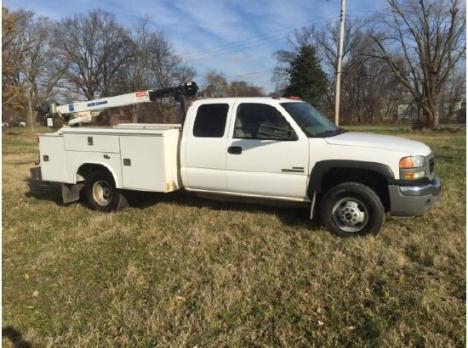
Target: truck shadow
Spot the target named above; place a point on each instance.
(15, 337)
(293, 215)
(44, 191)
(290, 215)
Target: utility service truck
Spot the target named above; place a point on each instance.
(274, 149)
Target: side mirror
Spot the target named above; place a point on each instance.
(268, 130)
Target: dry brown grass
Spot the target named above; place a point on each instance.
(176, 270)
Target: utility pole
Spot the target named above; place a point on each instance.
(338, 66)
(30, 117)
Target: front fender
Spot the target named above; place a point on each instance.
(320, 169)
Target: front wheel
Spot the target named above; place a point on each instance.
(351, 209)
(101, 194)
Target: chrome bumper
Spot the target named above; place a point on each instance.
(413, 200)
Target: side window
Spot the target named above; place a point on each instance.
(210, 120)
(261, 121)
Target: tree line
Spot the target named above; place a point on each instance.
(409, 58)
(406, 60)
(81, 57)
(88, 56)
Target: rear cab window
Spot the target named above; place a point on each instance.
(210, 121)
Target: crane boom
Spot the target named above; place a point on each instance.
(105, 103)
(84, 111)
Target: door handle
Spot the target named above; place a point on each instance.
(235, 150)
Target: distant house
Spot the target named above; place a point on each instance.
(118, 116)
(114, 121)
(448, 111)
(407, 112)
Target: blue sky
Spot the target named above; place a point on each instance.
(237, 38)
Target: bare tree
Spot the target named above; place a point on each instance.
(244, 89)
(453, 96)
(362, 95)
(14, 49)
(95, 47)
(41, 68)
(371, 92)
(354, 44)
(87, 56)
(30, 66)
(215, 86)
(430, 36)
(153, 64)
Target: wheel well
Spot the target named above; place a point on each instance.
(374, 180)
(91, 168)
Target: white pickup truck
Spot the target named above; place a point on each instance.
(263, 148)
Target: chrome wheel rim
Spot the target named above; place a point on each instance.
(102, 193)
(350, 214)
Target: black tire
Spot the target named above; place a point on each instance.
(352, 209)
(101, 194)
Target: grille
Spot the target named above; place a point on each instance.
(431, 165)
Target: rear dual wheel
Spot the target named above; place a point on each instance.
(101, 194)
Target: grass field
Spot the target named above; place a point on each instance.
(175, 270)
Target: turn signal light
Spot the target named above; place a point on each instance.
(412, 175)
(411, 162)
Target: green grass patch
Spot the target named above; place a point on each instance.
(176, 270)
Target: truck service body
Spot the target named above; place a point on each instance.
(263, 148)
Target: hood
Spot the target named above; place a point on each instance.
(377, 141)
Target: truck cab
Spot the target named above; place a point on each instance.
(244, 146)
(277, 149)
(284, 149)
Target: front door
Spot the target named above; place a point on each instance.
(265, 155)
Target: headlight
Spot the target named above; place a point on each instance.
(412, 167)
(412, 162)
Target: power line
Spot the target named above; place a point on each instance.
(225, 51)
(249, 74)
(242, 45)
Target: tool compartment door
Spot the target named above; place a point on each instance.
(52, 158)
(92, 142)
(143, 163)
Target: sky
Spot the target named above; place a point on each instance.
(236, 38)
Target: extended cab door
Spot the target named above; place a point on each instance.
(204, 146)
(267, 154)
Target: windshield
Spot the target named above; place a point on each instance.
(311, 121)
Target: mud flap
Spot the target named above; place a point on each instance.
(312, 206)
(122, 202)
(71, 192)
(36, 173)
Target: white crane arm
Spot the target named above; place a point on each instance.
(84, 111)
(105, 103)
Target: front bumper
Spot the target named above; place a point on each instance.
(413, 200)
